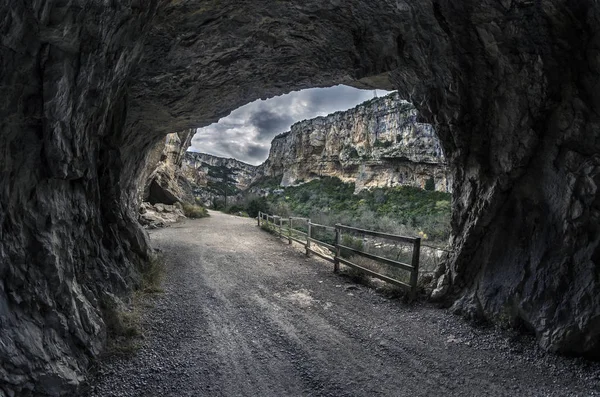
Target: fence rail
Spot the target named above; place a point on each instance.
(292, 233)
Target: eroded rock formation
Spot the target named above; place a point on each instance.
(214, 178)
(377, 144)
(160, 215)
(202, 168)
(69, 238)
(511, 86)
(166, 182)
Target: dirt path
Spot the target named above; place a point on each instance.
(244, 314)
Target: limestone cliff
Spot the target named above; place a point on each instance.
(377, 144)
(213, 177)
(90, 87)
(202, 168)
(166, 183)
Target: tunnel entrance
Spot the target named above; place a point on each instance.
(485, 76)
(511, 90)
(399, 183)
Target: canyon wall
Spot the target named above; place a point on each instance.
(512, 89)
(202, 167)
(164, 180)
(70, 243)
(213, 177)
(379, 143)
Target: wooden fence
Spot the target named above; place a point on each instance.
(290, 229)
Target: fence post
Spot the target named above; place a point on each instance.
(280, 226)
(259, 216)
(290, 230)
(308, 236)
(414, 275)
(336, 262)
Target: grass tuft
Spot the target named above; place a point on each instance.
(153, 275)
(124, 322)
(194, 211)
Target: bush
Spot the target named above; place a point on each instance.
(218, 204)
(401, 210)
(351, 242)
(382, 144)
(353, 153)
(234, 209)
(153, 274)
(256, 205)
(280, 208)
(430, 185)
(194, 211)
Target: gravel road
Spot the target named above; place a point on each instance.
(245, 314)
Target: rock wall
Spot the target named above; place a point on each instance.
(165, 182)
(212, 177)
(377, 144)
(89, 88)
(69, 239)
(198, 167)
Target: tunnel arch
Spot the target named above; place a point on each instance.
(485, 74)
(511, 87)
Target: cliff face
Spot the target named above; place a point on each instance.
(212, 178)
(377, 144)
(202, 168)
(70, 242)
(166, 182)
(90, 87)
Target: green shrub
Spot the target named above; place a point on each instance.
(268, 227)
(256, 205)
(382, 144)
(152, 275)
(352, 242)
(280, 208)
(234, 209)
(430, 185)
(400, 210)
(123, 325)
(353, 153)
(194, 211)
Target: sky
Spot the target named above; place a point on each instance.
(247, 132)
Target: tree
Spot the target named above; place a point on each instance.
(430, 185)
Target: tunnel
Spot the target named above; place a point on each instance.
(511, 86)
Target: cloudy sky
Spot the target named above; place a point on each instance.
(247, 132)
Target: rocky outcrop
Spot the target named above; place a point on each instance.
(69, 236)
(202, 168)
(166, 182)
(377, 144)
(213, 178)
(89, 88)
(160, 215)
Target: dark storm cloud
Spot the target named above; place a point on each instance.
(258, 151)
(247, 132)
(269, 123)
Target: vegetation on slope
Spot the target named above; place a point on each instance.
(402, 210)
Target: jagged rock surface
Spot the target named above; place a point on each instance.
(69, 237)
(511, 87)
(160, 215)
(377, 144)
(167, 183)
(211, 177)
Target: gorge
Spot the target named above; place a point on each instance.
(511, 87)
(376, 144)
